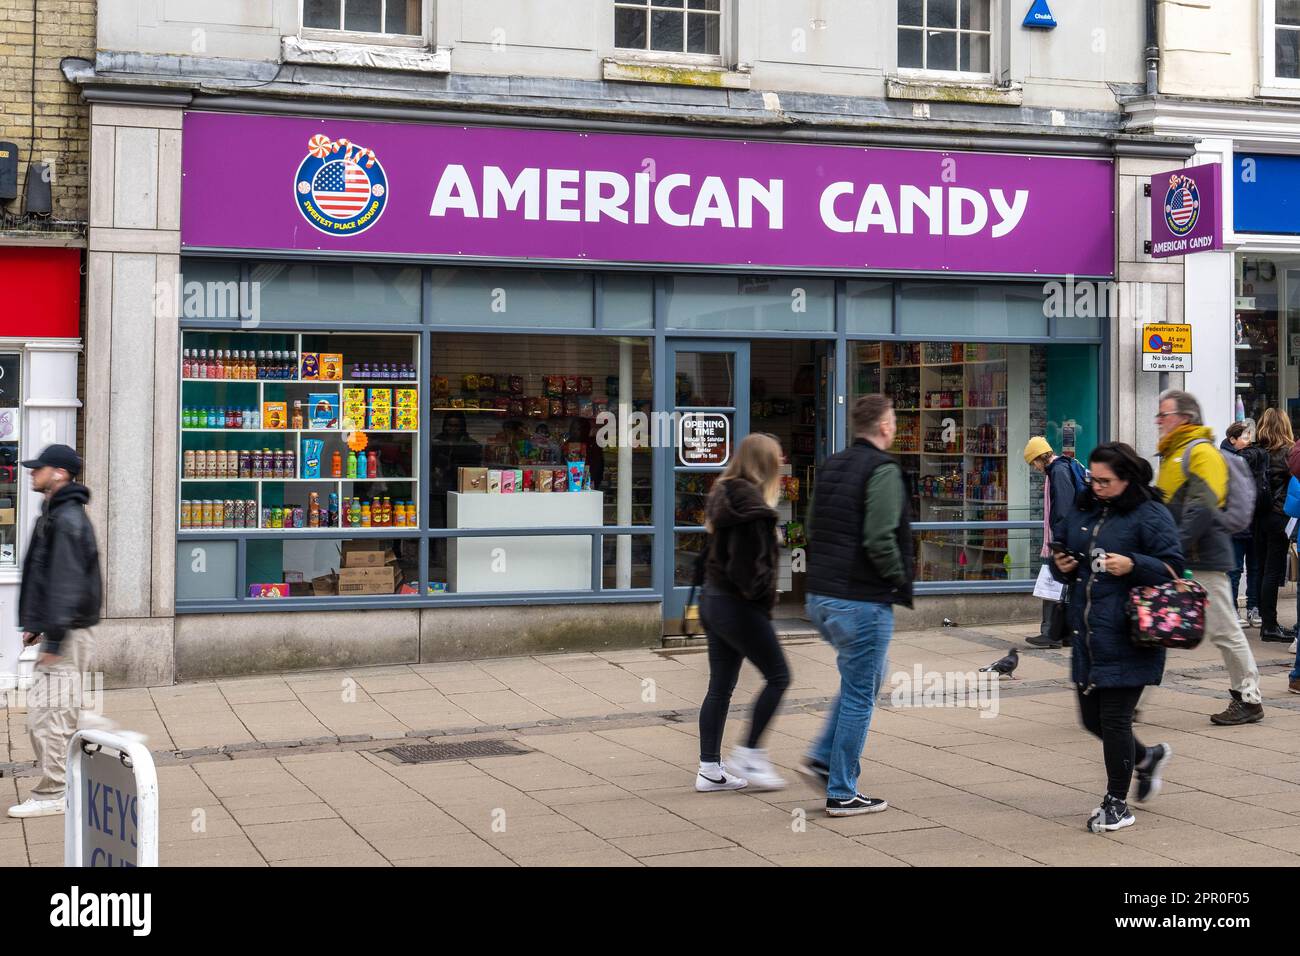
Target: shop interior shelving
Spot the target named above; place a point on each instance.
(397, 449)
(954, 436)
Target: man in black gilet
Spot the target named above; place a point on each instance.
(859, 566)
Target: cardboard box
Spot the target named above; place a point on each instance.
(368, 580)
(323, 410)
(405, 398)
(325, 585)
(472, 480)
(8, 515)
(310, 368)
(381, 419)
(368, 559)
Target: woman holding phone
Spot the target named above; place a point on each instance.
(1119, 537)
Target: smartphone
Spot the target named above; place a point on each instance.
(1059, 547)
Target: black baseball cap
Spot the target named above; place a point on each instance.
(57, 456)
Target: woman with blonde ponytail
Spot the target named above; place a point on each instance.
(736, 610)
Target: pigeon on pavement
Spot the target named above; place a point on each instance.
(1005, 666)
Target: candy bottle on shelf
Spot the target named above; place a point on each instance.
(336, 466)
(261, 363)
(292, 368)
(362, 461)
(297, 415)
(332, 516)
(352, 464)
(355, 370)
(372, 464)
(365, 516)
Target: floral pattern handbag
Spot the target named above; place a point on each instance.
(1170, 615)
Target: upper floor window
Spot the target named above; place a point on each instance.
(1286, 39)
(393, 17)
(669, 26)
(949, 36)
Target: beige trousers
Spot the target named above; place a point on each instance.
(54, 704)
(1225, 633)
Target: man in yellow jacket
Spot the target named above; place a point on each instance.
(1194, 479)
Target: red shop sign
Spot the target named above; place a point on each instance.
(40, 292)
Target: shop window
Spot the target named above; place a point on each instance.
(947, 36)
(750, 303)
(207, 570)
(538, 431)
(323, 293)
(628, 301)
(965, 411)
(328, 567)
(970, 311)
(390, 17)
(1267, 336)
(11, 479)
(668, 26)
(513, 297)
(870, 306)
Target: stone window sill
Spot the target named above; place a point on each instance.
(295, 49)
(674, 74)
(936, 90)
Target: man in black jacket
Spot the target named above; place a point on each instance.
(859, 566)
(58, 602)
(1059, 493)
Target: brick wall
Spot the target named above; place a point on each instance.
(62, 127)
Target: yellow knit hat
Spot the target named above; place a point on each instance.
(1037, 447)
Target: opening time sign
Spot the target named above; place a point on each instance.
(704, 438)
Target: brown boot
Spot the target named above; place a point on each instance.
(1238, 712)
(1294, 686)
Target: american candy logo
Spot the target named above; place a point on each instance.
(341, 187)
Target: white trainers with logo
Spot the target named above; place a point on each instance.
(31, 807)
(714, 776)
(756, 768)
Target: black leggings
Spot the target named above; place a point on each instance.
(1272, 545)
(1107, 712)
(738, 629)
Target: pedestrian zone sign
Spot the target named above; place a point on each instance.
(1166, 348)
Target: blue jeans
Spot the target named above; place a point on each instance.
(860, 632)
(1243, 553)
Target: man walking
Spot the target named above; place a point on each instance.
(1059, 491)
(859, 567)
(1195, 482)
(58, 602)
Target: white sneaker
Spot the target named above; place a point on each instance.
(1292, 647)
(1254, 618)
(31, 807)
(1242, 621)
(714, 776)
(757, 768)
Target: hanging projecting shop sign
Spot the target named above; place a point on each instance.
(1186, 214)
(405, 189)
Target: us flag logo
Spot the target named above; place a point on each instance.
(1182, 205)
(340, 186)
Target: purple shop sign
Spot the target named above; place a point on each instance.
(1186, 214)
(437, 191)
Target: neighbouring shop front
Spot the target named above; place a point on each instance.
(40, 307)
(1266, 284)
(443, 366)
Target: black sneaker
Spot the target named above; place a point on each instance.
(1042, 640)
(1149, 780)
(816, 771)
(1113, 814)
(851, 808)
(1274, 635)
(1238, 712)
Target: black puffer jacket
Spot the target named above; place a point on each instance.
(1139, 527)
(1279, 479)
(61, 586)
(743, 553)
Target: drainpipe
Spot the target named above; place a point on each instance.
(1152, 52)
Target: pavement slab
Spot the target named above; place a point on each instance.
(288, 770)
